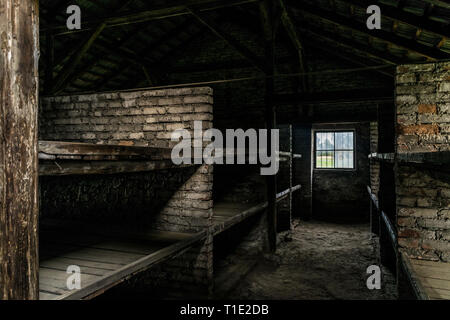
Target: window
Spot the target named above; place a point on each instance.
(334, 150)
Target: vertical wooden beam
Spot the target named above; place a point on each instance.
(267, 8)
(291, 176)
(19, 45)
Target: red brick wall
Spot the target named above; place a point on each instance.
(423, 194)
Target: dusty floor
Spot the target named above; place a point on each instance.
(323, 261)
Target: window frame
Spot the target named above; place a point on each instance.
(314, 136)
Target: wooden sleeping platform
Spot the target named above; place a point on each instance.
(228, 214)
(105, 259)
(430, 279)
(75, 158)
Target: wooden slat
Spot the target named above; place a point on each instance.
(107, 264)
(57, 264)
(430, 279)
(65, 262)
(134, 267)
(47, 296)
(64, 168)
(60, 148)
(92, 254)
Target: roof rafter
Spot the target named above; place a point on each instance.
(293, 34)
(407, 44)
(340, 41)
(413, 20)
(231, 41)
(173, 9)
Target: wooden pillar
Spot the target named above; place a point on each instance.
(19, 45)
(267, 14)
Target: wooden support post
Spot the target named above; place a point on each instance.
(291, 177)
(19, 32)
(267, 14)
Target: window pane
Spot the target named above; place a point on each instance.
(344, 159)
(324, 141)
(320, 141)
(326, 145)
(324, 159)
(344, 140)
(330, 141)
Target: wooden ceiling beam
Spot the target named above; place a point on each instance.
(173, 9)
(346, 56)
(353, 45)
(292, 32)
(429, 53)
(410, 19)
(230, 40)
(439, 3)
(74, 60)
(155, 66)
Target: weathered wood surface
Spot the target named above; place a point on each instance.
(226, 215)
(87, 151)
(64, 168)
(19, 44)
(430, 279)
(105, 260)
(433, 158)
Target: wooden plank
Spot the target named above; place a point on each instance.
(430, 263)
(48, 288)
(92, 254)
(60, 276)
(439, 294)
(19, 29)
(434, 283)
(88, 149)
(113, 231)
(418, 288)
(47, 296)
(432, 272)
(60, 263)
(65, 168)
(59, 282)
(134, 267)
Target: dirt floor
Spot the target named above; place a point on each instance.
(322, 261)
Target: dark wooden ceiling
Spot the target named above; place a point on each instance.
(123, 44)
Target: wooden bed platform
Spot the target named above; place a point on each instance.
(228, 214)
(76, 158)
(104, 260)
(429, 279)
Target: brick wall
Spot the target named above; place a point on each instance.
(179, 199)
(423, 194)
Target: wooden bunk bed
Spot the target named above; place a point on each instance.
(228, 214)
(105, 258)
(109, 257)
(75, 158)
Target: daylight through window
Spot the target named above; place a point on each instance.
(334, 150)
